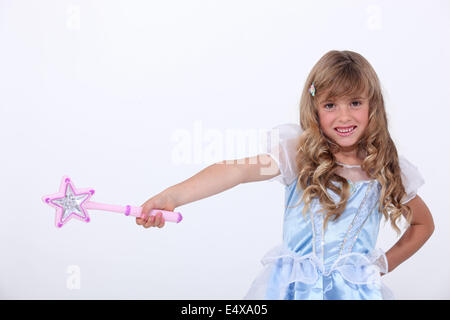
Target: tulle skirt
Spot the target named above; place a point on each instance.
(289, 276)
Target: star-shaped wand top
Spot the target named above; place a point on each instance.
(69, 202)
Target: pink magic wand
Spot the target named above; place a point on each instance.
(71, 202)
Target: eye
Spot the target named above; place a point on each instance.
(356, 103)
(328, 106)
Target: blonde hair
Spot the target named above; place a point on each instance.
(342, 73)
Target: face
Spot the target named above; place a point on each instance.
(344, 119)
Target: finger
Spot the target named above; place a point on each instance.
(158, 218)
(145, 217)
(141, 220)
(163, 222)
(150, 222)
(144, 213)
(147, 212)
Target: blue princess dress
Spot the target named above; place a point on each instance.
(339, 262)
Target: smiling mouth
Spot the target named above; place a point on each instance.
(345, 131)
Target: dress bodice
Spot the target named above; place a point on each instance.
(356, 230)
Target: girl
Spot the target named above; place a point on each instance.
(341, 173)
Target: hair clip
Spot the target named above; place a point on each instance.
(312, 89)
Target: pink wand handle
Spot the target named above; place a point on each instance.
(133, 211)
(167, 215)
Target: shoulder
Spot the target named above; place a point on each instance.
(411, 177)
(405, 164)
(408, 169)
(288, 129)
(284, 134)
(281, 144)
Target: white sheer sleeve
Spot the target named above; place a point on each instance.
(281, 144)
(411, 178)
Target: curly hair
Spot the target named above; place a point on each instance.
(338, 74)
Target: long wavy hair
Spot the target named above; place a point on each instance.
(338, 74)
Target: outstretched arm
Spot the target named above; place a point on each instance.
(213, 179)
(221, 176)
(420, 229)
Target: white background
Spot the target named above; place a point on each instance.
(96, 90)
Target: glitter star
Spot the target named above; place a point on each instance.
(69, 202)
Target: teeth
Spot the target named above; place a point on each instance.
(346, 130)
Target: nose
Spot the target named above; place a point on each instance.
(344, 114)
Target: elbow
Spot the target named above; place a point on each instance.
(431, 228)
(431, 224)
